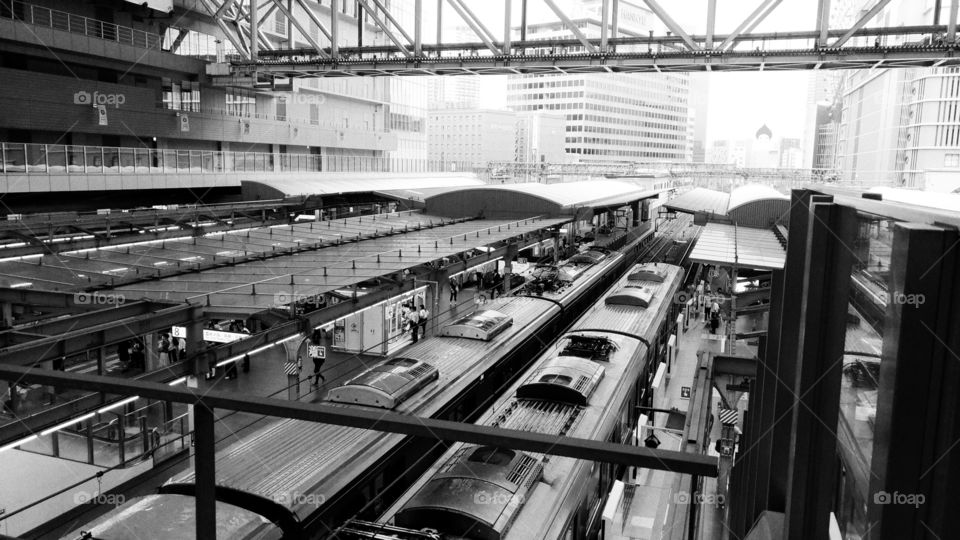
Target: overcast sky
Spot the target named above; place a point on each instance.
(739, 102)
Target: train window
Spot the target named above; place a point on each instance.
(492, 455)
(556, 379)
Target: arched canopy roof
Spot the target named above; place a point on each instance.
(562, 199)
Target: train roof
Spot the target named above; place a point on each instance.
(173, 516)
(574, 389)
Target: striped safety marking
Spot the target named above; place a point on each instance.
(728, 417)
(291, 369)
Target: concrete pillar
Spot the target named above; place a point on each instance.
(635, 209)
(296, 350)
(150, 353)
(7, 310)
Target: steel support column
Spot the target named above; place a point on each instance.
(823, 22)
(254, 29)
(335, 31)
(604, 9)
(952, 23)
(205, 476)
(711, 22)
(507, 14)
(918, 399)
(812, 465)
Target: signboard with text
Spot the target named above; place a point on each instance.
(219, 336)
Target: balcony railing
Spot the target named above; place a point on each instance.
(77, 24)
(39, 159)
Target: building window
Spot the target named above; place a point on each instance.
(181, 95)
(280, 23)
(281, 108)
(951, 160)
(241, 102)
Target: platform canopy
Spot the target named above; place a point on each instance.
(553, 200)
(700, 200)
(746, 247)
(752, 205)
(340, 183)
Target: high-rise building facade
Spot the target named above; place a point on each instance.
(476, 136)
(539, 138)
(900, 126)
(610, 117)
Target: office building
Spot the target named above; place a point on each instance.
(610, 117)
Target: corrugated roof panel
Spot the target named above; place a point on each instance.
(744, 246)
(752, 193)
(700, 200)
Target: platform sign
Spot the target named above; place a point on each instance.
(317, 351)
(218, 336)
(178, 331)
(685, 392)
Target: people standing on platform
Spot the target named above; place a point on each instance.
(174, 349)
(137, 358)
(163, 348)
(715, 308)
(454, 289)
(423, 315)
(414, 318)
(123, 354)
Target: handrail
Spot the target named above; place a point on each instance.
(33, 158)
(77, 24)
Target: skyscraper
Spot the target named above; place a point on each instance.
(610, 117)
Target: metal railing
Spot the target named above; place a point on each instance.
(27, 158)
(77, 24)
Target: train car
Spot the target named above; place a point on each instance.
(308, 478)
(589, 384)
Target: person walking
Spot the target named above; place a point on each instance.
(414, 319)
(317, 339)
(137, 359)
(174, 350)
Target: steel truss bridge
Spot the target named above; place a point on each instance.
(615, 50)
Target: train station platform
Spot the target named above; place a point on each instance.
(654, 504)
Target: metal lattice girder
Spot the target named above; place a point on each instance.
(751, 21)
(861, 22)
(389, 422)
(671, 24)
(916, 50)
(476, 25)
(587, 44)
(385, 27)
